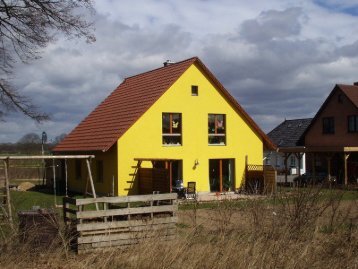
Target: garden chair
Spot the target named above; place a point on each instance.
(191, 190)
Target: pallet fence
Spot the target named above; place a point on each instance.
(120, 221)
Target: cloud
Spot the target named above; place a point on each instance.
(279, 59)
(272, 24)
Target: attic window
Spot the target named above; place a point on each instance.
(194, 90)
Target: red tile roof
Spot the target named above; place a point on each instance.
(101, 129)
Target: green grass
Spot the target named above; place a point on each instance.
(26, 200)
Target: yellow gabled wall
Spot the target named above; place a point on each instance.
(144, 138)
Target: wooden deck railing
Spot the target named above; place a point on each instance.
(120, 220)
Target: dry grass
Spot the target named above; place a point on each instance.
(303, 230)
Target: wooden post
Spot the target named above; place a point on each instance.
(313, 166)
(299, 157)
(221, 174)
(246, 171)
(91, 181)
(345, 159)
(54, 180)
(329, 167)
(170, 176)
(286, 168)
(7, 187)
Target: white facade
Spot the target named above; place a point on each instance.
(277, 160)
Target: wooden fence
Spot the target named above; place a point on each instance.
(260, 179)
(120, 221)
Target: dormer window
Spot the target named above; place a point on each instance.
(194, 90)
(171, 129)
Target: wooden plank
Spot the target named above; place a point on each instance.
(69, 200)
(70, 210)
(128, 229)
(120, 224)
(125, 211)
(139, 233)
(47, 157)
(126, 199)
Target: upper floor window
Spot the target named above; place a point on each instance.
(217, 129)
(353, 124)
(328, 125)
(171, 129)
(194, 90)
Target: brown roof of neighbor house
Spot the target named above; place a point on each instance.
(351, 91)
(101, 129)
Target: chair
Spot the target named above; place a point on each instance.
(191, 190)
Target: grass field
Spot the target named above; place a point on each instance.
(297, 228)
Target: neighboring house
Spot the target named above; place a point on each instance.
(331, 140)
(175, 123)
(289, 155)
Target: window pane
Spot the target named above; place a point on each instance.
(211, 124)
(176, 123)
(171, 140)
(166, 123)
(328, 125)
(220, 124)
(351, 124)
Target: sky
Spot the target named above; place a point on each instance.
(280, 58)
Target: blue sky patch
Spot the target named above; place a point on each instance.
(338, 7)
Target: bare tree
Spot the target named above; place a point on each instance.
(27, 26)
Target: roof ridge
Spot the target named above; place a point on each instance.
(193, 59)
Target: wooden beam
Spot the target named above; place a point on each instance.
(329, 167)
(345, 159)
(314, 165)
(91, 181)
(221, 174)
(286, 167)
(170, 176)
(299, 157)
(47, 157)
(7, 186)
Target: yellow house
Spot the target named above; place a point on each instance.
(173, 124)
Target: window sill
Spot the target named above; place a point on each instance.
(220, 145)
(171, 145)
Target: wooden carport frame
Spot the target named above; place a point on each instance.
(329, 151)
(6, 161)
